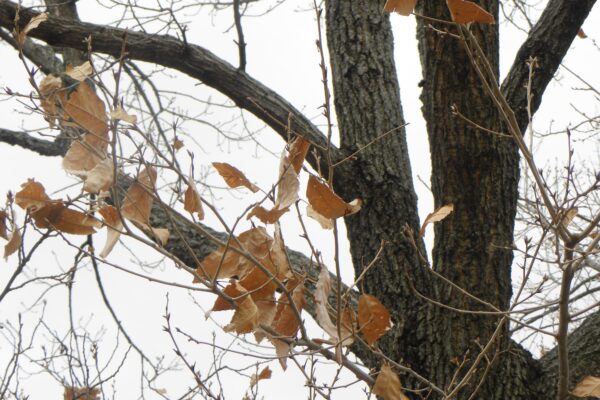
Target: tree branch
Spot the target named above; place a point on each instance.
(44, 57)
(22, 139)
(548, 42)
(193, 60)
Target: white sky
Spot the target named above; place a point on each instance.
(282, 55)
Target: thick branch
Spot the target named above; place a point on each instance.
(44, 57)
(548, 42)
(22, 139)
(195, 61)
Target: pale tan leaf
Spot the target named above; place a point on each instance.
(52, 93)
(387, 385)
(139, 197)
(114, 227)
(161, 234)
(288, 184)
(587, 387)
(326, 223)
(464, 11)
(568, 216)
(325, 202)
(436, 216)
(32, 196)
(119, 113)
(322, 290)
(84, 155)
(31, 25)
(81, 72)
(100, 178)
(373, 318)
(264, 374)
(402, 7)
(192, 202)
(266, 216)
(233, 176)
(266, 313)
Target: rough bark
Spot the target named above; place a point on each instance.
(367, 104)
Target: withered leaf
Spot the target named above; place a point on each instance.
(266, 216)
(100, 178)
(31, 25)
(15, 240)
(464, 11)
(75, 393)
(326, 223)
(53, 94)
(581, 34)
(114, 226)
(84, 109)
(3, 232)
(120, 114)
(139, 197)
(245, 318)
(387, 385)
(588, 387)
(85, 154)
(297, 153)
(264, 374)
(323, 288)
(568, 216)
(373, 318)
(192, 202)
(81, 72)
(436, 216)
(402, 7)
(328, 204)
(285, 321)
(63, 219)
(233, 176)
(32, 196)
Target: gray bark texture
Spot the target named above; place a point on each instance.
(476, 171)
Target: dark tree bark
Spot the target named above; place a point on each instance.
(475, 170)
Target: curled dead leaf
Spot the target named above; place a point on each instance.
(264, 374)
(328, 204)
(245, 318)
(139, 197)
(120, 114)
(114, 227)
(3, 232)
(436, 216)
(76, 393)
(81, 72)
(31, 25)
(100, 178)
(322, 290)
(587, 387)
(192, 201)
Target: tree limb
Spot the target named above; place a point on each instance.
(22, 139)
(548, 42)
(193, 60)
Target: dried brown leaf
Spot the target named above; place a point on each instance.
(245, 318)
(326, 223)
(192, 201)
(139, 197)
(402, 7)
(84, 109)
(14, 242)
(3, 232)
(436, 216)
(373, 318)
(464, 12)
(587, 387)
(57, 216)
(322, 290)
(114, 226)
(264, 374)
(53, 94)
(266, 216)
(297, 153)
(325, 202)
(32, 196)
(75, 393)
(387, 385)
(233, 176)
(100, 178)
(581, 34)
(31, 25)
(85, 154)
(119, 113)
(568, 216)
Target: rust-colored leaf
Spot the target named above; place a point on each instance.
(264, 374)
(223, 263)
(100, 178)
(436, 216)
(81, 72)
(297, 153)
(31, 25)
(57, 216)
(114, 226)
(266, 313)
(3, 232)
(587, 387)
(266, 216)
(84, 109)
(402, 7)
(373, 318)
(192, 202)
(32, 196)
(75, 393)
(568, 216)
(464, 11)
(245, 318)
(233, 176)
(387, 385)
(325, 202)
(581, 34)
(139, 197)
(177, 143)
(285, 321)
(326, 223)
